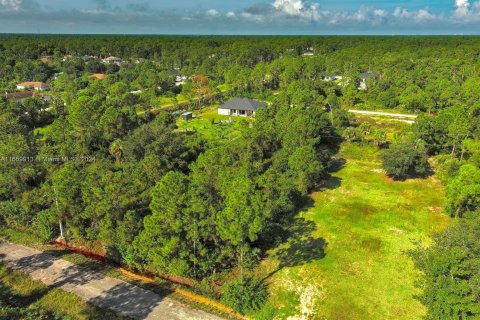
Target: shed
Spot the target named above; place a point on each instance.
(187, 116)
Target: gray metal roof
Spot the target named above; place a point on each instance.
(243, 104)
(366, 75)
(173, 72)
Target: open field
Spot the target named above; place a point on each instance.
(346, 256)
(213, 127)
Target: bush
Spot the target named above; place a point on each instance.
(252, 295)
(205, 288)
(404, 159)
(13, 215)
(44, 225)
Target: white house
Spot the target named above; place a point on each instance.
(112, 59)
(243, 107)
(179, 79)
(363, 83)
(331, 77)
(308, 53)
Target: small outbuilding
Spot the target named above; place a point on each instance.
(179, 79)
(187, 116)
(243, 107)
(112, 59)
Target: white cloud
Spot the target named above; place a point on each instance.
(380, 13)
(424, 14)
(291, 7)
(462, 7)
(311, 12)
(290, 15)
(213, 13)
(12, 5)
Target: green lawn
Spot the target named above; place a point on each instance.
(20, 291)
(345, 258)
(213, 127)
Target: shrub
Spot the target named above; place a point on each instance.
(252, 295)
(44, 225)
(405, 158)
(13, 215)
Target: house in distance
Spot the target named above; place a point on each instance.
(39, 86)
(363, 83)
(179, 79)
(243, 107)
(19, 97)
(112, 59)
(99, 76)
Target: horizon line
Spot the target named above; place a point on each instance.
(246, 35)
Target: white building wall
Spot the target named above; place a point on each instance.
(223, 112)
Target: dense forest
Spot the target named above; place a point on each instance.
(102, 164)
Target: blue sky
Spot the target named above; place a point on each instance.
(241, 16)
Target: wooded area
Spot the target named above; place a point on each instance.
(103, 162)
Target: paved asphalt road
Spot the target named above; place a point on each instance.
(96, 288)
(385, 114)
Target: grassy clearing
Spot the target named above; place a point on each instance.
(21, 291)
(213, 127)
(346, 258)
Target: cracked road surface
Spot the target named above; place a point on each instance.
(102, 291)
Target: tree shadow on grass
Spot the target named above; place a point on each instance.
(413, 175)
(18, 300)
(293, 235)
(299, 247)
(336, 164)
(330, 182)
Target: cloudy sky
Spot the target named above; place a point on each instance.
(241, 16)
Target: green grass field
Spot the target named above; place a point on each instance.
(213, 127)
(346, 256)
(20, 291)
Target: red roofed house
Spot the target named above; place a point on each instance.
(45, 59)
(99, 76)
(19, 96)
(39, 86)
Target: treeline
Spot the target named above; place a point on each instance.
(451, 265)
(418, 74)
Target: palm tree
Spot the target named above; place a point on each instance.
(380, 138)
(116, 150)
